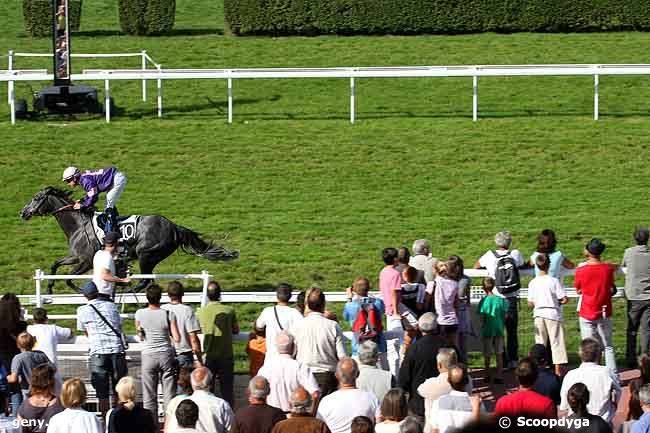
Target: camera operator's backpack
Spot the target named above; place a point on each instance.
(506, 275)
(367, 325)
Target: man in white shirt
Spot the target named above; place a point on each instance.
(319, 342)
(422, 260)
(47, 336)
(434, 388)
(278, 318)
(215, 414)
(187, 415)
(104, 267)
(453, 411)
(372, 378)
(338, 409)
(604, 387)
(285, 374)
(488, 261)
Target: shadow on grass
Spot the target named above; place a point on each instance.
(171, 111)
(360, 116)
(261, 287)
(172, 33)
(98, 33)
(195, 32)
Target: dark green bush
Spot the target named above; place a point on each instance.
(38, 16)
(346, 17)
(147, 17)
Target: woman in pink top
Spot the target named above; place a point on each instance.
(445, 296)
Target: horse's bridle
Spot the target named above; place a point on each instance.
(62, 208)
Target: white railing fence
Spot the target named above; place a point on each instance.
(350, 73)
(145, 62)
(122, 297)
(126, 297)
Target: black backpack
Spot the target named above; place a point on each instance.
(506, 275)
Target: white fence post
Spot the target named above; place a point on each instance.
(160, 95)
(475, 98)
(596, 96)
(37, 276)
(206, 281)
(144, 82)
(10, 67)
(229, 100)
(12, 102)
(352, 100)
(107, 101)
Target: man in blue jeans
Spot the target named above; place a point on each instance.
(101, 321)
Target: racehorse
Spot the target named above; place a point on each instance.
(155, 239)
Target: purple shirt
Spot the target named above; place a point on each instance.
(445, 295)
(95, 182)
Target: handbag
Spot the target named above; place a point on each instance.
(120, 335)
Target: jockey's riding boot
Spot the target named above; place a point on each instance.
(111, 224)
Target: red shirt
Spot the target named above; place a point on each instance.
(522, 403)
(595, 282)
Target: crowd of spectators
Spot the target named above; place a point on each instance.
(406, 370)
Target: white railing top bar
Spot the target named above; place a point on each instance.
(351, 72)
(85, 55)
(23, 71)
(233, 297)
(143, 54)
(136, 276)
(241, 297)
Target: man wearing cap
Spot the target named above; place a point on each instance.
(104, 267)
(594, 281)
(101, 321)
(108, 180)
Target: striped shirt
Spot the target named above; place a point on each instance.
(101, 338)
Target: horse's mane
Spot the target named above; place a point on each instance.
(50, 190)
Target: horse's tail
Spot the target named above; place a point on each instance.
(191, 243)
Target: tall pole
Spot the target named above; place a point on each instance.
(61, 42)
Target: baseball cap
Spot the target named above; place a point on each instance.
(89, 289)
(111, 238)
(595, 247)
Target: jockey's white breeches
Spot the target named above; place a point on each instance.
(113, 194)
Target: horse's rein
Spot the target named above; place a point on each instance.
(68, 206)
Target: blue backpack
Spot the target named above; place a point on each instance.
(4, 386)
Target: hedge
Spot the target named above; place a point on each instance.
(348, 17)
(147, 17)
(38, 16)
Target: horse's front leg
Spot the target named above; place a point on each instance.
(80, 269)
(66, 261)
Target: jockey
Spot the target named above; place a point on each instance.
(107, 180)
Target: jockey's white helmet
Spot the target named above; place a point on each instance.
(69, 173)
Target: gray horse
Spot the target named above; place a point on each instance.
(156, 237)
